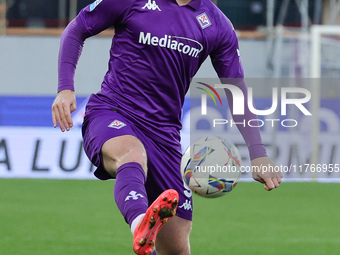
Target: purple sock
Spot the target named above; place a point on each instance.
(153, 253)
(129, 191)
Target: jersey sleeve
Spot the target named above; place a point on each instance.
(251, 134)
(90, 21)
(102, 14)
(226, 55)
(226, 61)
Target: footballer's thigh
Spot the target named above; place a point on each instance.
(110, 141)
(173, 238)
(123, 149)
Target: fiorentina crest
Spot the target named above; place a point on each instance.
(203, 20)
(117, 124)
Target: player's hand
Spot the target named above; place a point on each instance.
(64, 104)
(264, 171)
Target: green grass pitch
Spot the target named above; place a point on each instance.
(70, 217)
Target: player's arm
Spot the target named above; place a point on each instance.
(93, 19)
(226, 61)
(71, 44)
(262, 166)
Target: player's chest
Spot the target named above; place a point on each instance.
(163, 23)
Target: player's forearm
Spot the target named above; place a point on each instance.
(71, 45)
(250, 134)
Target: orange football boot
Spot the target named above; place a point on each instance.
(161, 210)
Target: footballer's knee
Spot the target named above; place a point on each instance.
(173, 238)
(123, 149)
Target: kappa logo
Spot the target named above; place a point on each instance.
(186, 205)
(134, 195)
(203, 20)
(117, 124)
(151, 6)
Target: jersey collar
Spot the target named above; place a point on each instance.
(196, 4)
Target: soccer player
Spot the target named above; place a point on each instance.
(131, 128)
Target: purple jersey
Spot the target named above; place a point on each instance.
(157, 48)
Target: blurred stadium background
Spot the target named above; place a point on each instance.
(49, 200)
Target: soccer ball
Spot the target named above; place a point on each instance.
(211, 166)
